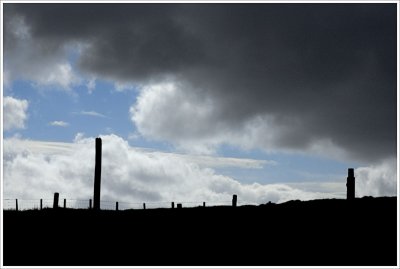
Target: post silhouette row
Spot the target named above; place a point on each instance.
(97, 182)
(350, 184)
(350, 196)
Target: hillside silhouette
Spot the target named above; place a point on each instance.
(331, 232)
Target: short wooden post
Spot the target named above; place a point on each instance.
(204, 204)
(65, 203)
(116, 206)
(16, 204)
(41, 204)
(234, 200)
(172, 205)
(144, 205)
(55, 201)
(90, 203)
(178, 205)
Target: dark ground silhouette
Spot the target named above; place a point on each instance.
(321, 232)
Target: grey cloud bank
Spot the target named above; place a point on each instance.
(291, 77)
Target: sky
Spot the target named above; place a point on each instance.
(196, 102)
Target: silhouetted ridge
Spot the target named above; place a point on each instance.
(326, 232)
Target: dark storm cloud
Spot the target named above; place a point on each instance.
(128, 42)
(322, 70)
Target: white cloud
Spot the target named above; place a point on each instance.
(39, 147)
(34, 169)
(15, 113)
(166, 112)
(334, 188)
(59, 123)
(170, 111)
(92, 113)
(61, 74)
(377, 180)
(212, 161)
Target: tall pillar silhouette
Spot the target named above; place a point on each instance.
(97, 176)
(351, 182)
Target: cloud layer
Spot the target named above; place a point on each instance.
(15, 113)
(35, 170)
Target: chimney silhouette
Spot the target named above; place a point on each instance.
(351, 184)
(97, 176)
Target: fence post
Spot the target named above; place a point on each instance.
(178, 205)
(90, 203)
(55, 201)
(65, 203)
(172, 205)
(116, 206)
(16, 204)
(41, 204)
(144, 205)
(204, 204)
(97, 175)
(234, 200)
